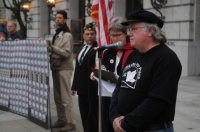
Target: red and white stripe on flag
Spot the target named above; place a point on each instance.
(102, 13)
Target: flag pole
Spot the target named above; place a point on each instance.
(102, 18)
(99, 85)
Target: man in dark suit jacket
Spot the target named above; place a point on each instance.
(85, 87)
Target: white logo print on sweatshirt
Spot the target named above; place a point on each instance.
(131, 74)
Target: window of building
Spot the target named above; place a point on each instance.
(133, 5)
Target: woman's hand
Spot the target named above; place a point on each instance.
(92, 76)
(73, 92)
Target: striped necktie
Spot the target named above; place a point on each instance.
(82, 55)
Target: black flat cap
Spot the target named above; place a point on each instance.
(143, 16)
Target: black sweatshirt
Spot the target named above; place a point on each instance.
(147, 88)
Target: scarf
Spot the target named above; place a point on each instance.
(64, 28)
(127, 51)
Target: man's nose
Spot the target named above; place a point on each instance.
(129, 34)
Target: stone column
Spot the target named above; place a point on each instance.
(39, 14)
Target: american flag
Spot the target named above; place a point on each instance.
(102, 13)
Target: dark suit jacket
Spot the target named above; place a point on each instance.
(82, 82)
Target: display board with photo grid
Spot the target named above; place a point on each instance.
(24, 75)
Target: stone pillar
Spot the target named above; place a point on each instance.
(119, 8)
(39, 14)
(73, 10)
(197, 35)
(43, 24)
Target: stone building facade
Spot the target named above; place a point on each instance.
(182, 24)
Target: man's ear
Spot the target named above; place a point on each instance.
(151, 31)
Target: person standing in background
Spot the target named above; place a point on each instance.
(86, 88)
(12, 31)
(114, 61)
(3, 35)
(61, 62)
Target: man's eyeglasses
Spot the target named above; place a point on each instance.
(132, 29)
(115, 35)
